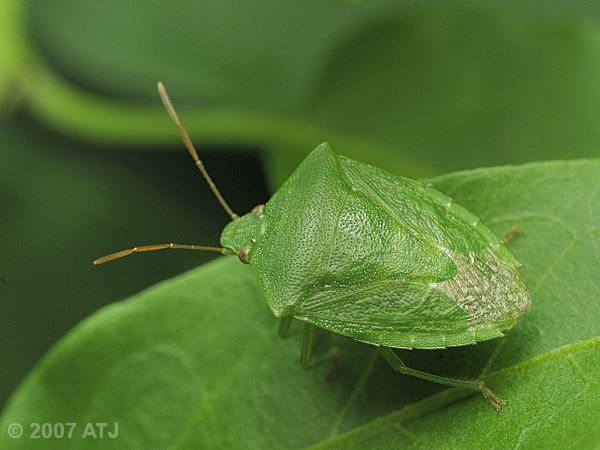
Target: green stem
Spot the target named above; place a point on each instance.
(58, 103)
(13, 46)
(74, 111)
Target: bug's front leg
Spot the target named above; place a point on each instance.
(398, 365)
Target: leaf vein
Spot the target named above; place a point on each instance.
(354, 395)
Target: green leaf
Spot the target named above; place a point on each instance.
(196, 361)
(557, 396)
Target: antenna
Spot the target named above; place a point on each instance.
(149, 248)
(190, 147)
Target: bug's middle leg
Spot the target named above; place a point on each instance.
(308, 342)
(284, 326)
(308, 339)
(514, 230)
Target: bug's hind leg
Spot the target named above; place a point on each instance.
(398, 365)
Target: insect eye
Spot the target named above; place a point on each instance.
(258, 209)
(243, 255)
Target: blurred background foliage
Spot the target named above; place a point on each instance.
(90, 162)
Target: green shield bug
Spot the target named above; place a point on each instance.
(367, 254)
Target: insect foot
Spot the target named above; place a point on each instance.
(489, 396)
(514, 230)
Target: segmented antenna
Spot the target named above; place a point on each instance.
(149, 248)
(190, 147)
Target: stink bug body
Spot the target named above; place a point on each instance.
(376, 257)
